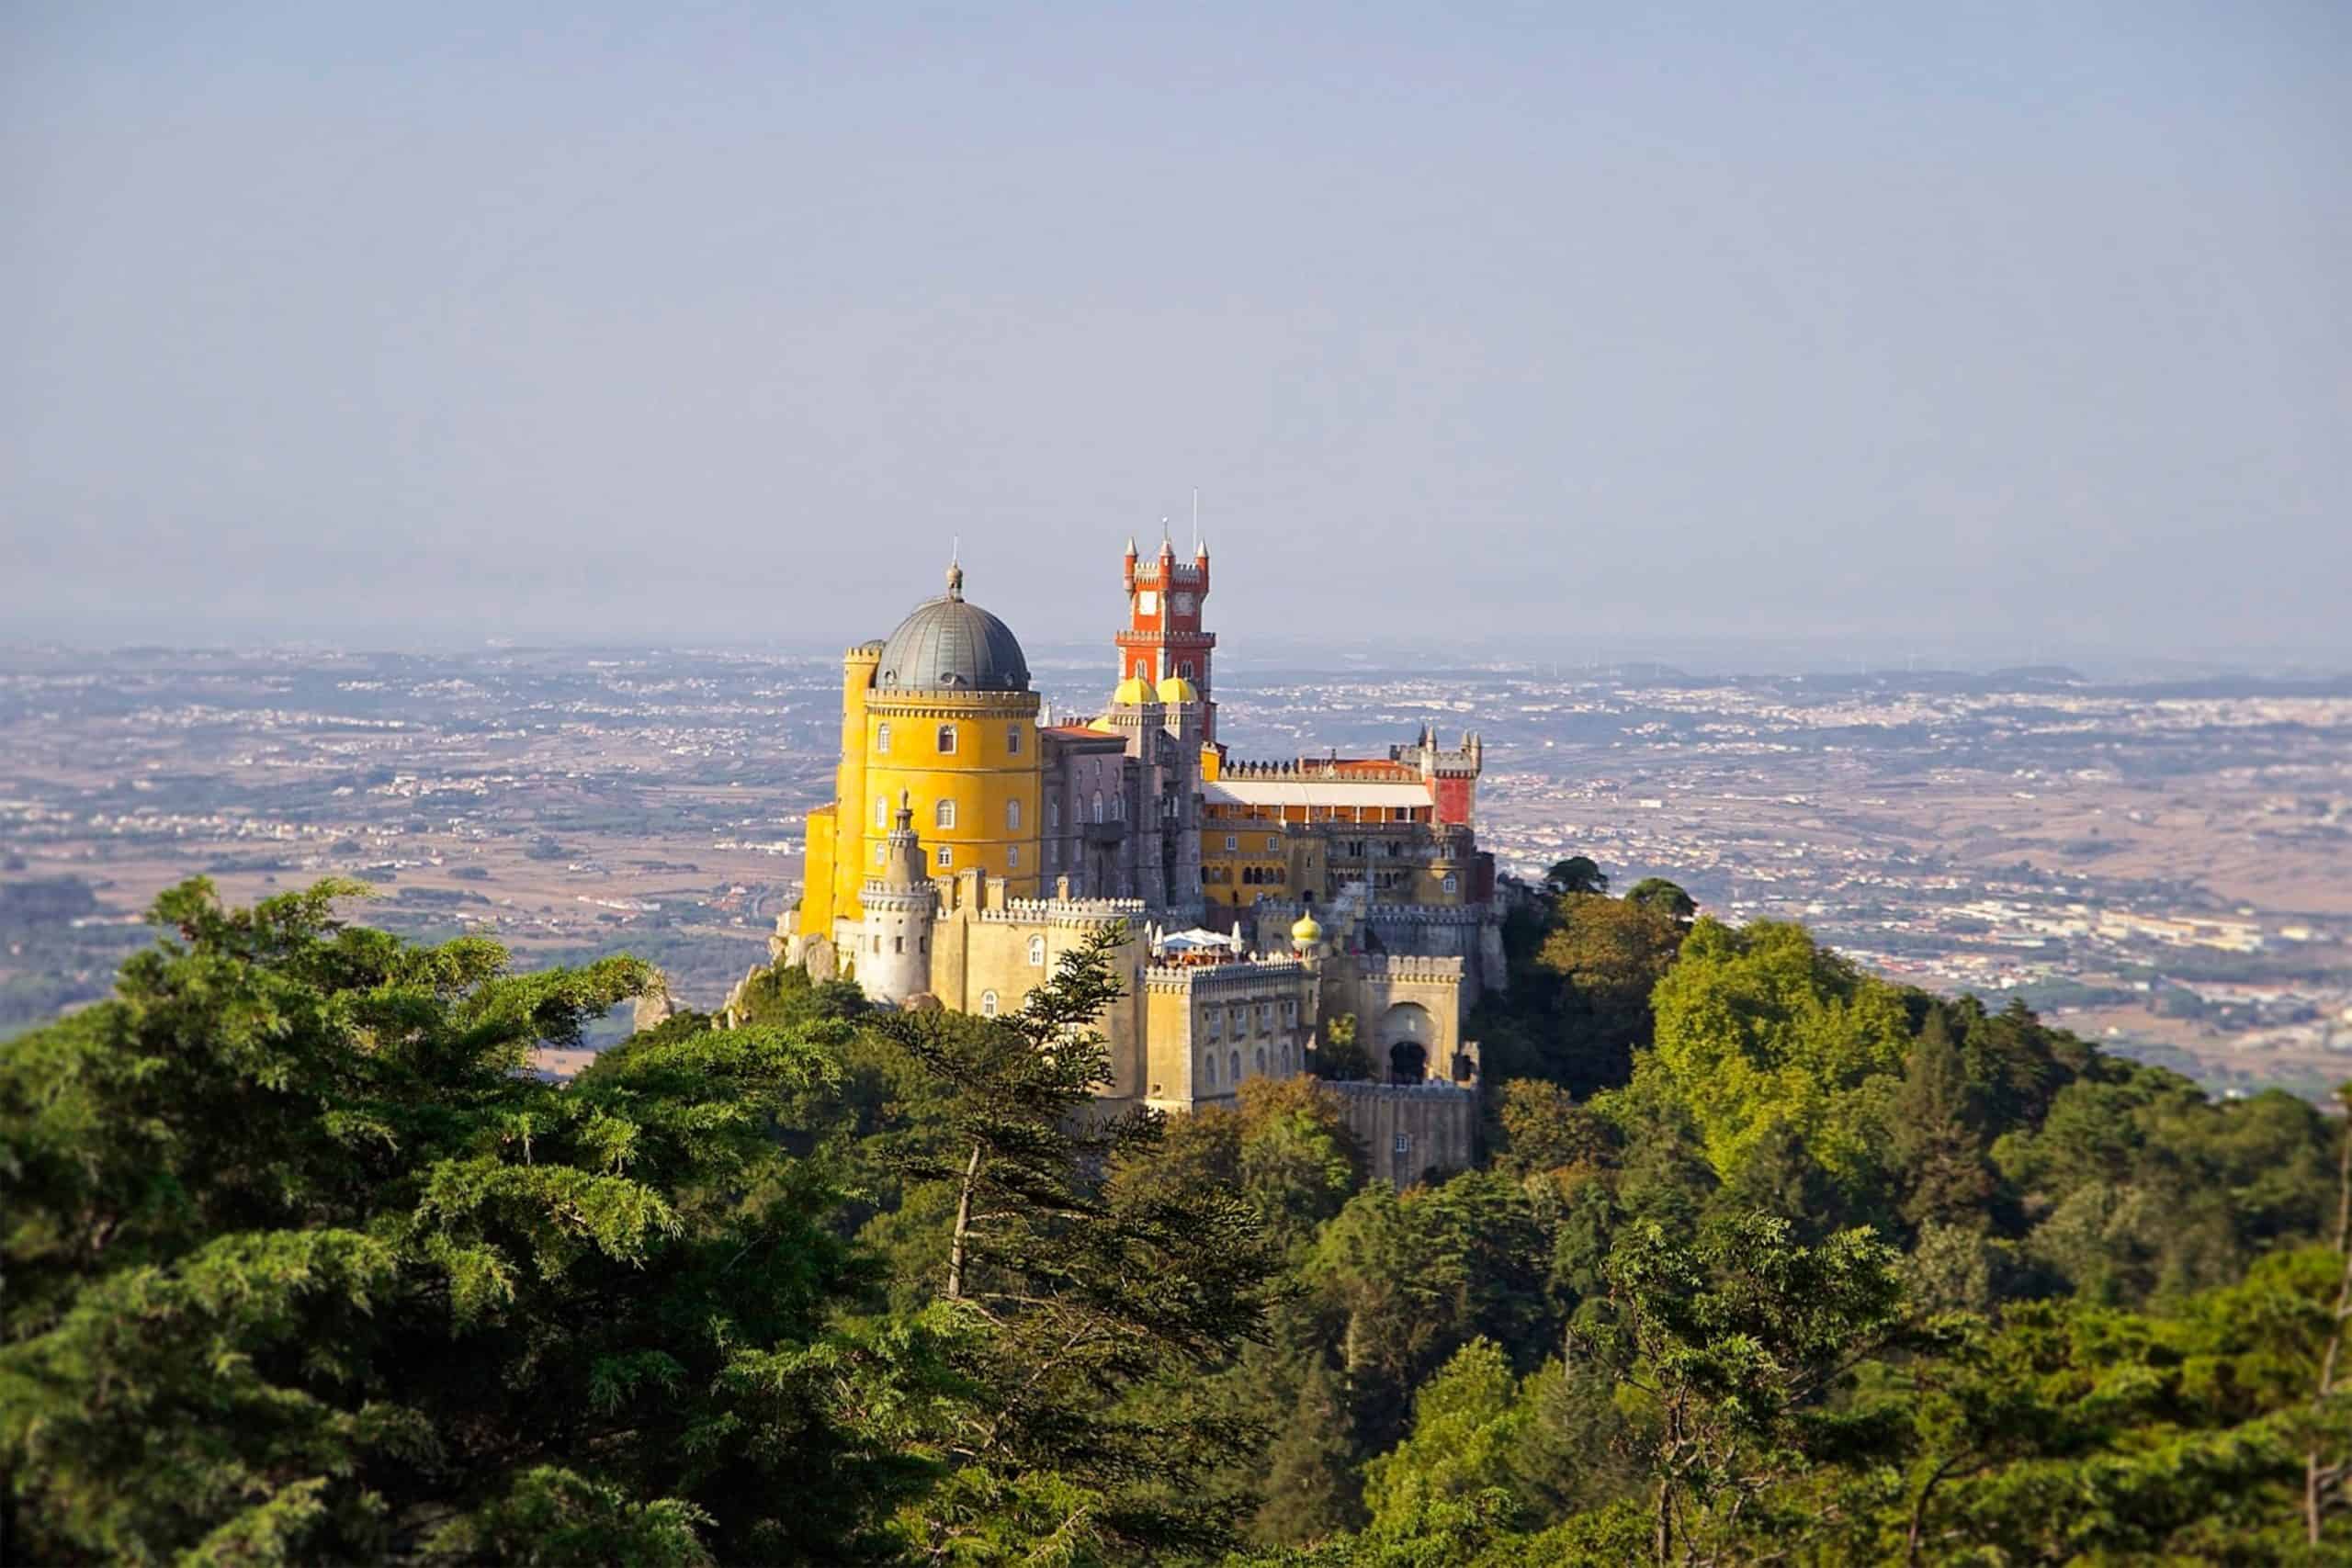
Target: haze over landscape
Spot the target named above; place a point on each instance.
(1959, 334)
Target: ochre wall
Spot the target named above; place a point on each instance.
(983, 776)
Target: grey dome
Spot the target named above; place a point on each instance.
(947, 644)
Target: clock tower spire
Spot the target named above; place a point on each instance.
(1163, 639)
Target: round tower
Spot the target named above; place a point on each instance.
(893, 956)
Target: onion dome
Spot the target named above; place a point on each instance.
(1176, 689)
(1131, 693)
(948, 645)
(1307, 933)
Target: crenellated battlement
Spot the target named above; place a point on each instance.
(1410, 967)
(1240, 974)
(1068, 913)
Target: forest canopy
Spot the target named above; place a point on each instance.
(1766, 1256)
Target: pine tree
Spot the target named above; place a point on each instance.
(1082, 1315)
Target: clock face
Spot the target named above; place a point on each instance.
(1181, 603)
(1146, 601)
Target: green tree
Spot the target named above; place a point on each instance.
(1086, 1313)
(1734, 1344)
(1468, 1427)
(1661, 896)
(1575, 874)
(303, 1264)
(1340, 1055)
(1759, 1027)
(1597, 966)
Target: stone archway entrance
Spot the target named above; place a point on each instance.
(1408, 1032)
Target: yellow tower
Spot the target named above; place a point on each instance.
(941, 713)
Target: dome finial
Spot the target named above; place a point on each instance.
(955, 571)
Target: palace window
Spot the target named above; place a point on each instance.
(881, 738)
(947, 739)
(987, 1004)
(1215, 1018)
(1012, 740)
(1453, 883)
(1098, 806)
(1234, 1061)
(1012, 817)
(1118, 808)
(898, 944)
(1185, 670)
(944, 814)
(1053, 851)
(1208, 1068)
(879, 851)
(1261, 1061)
(1285, 1056)
(1037, 951)
(1012, 855)
(1054, 815)
(1404, 1144)
(1265, 1015)
(1233, 841)
(881, 812)
(946, 856)
(1273, 845)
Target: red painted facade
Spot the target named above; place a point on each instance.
(1163, 635)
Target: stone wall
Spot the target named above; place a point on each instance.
(1410, 1131)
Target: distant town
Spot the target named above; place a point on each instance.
(2166, 870)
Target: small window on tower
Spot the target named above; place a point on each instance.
(881, 738)
(881, 811)
(946, 856)
(1013, 816)
(1453, 884)
(947, 739)
(1185, 668)
(945, 814)
(1012, 740)
(1013, 856)
(1233, 841)
(987, 1004)
(1037, 951)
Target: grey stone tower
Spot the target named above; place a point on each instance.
(894, 948)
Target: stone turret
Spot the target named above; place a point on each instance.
(893, 956)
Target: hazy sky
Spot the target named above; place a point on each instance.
(1957, 328)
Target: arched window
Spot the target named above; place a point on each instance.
(945, 814)
(1012, 817)
(1013, 856)
(1208, 1068)
(1098, 806)
(946, 857)
(1037, 951)
(881, 811)
(1012, 740)
(881, 738)
(1235, 1064)
(1053, 816)
(1118, 808)
(1285, 1056)
(1261, 1061)
(987, 1004)
(947, 739)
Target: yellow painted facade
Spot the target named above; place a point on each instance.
(971, 768)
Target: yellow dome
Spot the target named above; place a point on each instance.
(1305, 934)
(1176, 689)
(1131, 691)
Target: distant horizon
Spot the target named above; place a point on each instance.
(1282, 655)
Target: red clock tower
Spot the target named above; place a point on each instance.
(1163, 635)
